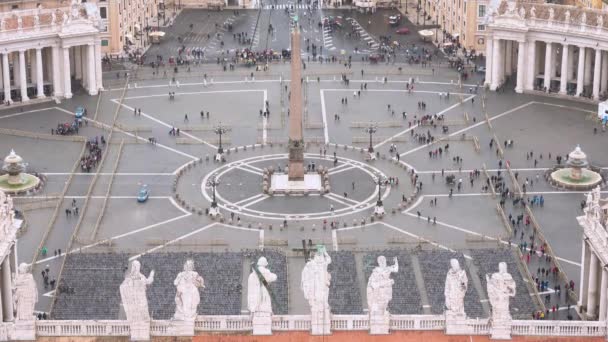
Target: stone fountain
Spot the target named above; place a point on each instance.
(16, 180)
(576, 175)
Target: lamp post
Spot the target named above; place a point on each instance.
(379, 181)
(219, 130)
(371, 129)
(213, 182)
(418, 13)
(436, 25)
(406, 7)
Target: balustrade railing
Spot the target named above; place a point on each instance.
(417, 322)
(559, 328)
(82, 328)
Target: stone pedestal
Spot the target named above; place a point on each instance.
(15, 179)
(262, 323)
(214, 211)
(379, 323)
(500, 330)
(140, 331)
(320, 322)
(456, 324)
(182, 328)
(24, 331)
(379, 210)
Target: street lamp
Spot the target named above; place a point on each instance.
(219, 130)
(436, 26)
(418, 14)
(371, 129)
(380, 181)
(213, 182)
(406, 7)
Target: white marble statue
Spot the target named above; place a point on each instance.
(456, 284)
(533, 12)
(522, 12)
(65, 16)
(2, 24)
(25, 294)
(315, 285)
(380, 286)
(600, 21)
(36, 21)
(551, 14)
(258, 297)
(19, 23)
(133, 294)
(75, 9)
(187, 296)
(584, 18)
(567, 17)
(53, 18)
(501, 287)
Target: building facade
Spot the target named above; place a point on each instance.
(551, 48)
(124, 24)
(46, 52)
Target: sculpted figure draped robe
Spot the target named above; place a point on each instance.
(501, 287)
(315, 282)
(380, 286)
(133, 294)
(258, 297)
(456, 284)
(26, 294)
(187, 296)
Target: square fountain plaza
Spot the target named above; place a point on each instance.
(114, 223)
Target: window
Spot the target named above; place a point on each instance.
(15, 7)
(103, 12)
(481, 11)
(481, 27)
(104, 42)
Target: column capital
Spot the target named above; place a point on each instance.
(22, 50)
(39, 48)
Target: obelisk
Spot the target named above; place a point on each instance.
(296, 139)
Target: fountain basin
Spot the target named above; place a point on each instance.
(588, 179)
(28, 182)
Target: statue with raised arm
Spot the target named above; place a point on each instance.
(259, 299)
(315, 285)
(501, 287)
(380, 286)
(456, 284)
(379, 294)
(133, 293)
(25, 294)
(187, 296)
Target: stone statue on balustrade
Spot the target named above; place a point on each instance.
(36, 21)
(259, 298)
(25, 296)
(551, 14)
(187, 296)
(135, 302)
(522, 12)
(567, 17)
(19, 23)
(456, 284)
(600, 22)
(379, 294)
(315, 285)
(75, 9)
(53, 18)
(501, 287)
(533, 12)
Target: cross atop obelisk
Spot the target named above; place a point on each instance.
(296, 139)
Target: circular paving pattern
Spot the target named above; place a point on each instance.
(347, 174)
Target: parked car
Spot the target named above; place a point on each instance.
(80, 112)
(403, 30)
(394, 20)
(143, 194)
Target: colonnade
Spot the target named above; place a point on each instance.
(593, 287)
(559, 67)
(49, 71)
(8, 267)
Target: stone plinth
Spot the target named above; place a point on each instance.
(379, 324)
(262, 323)
(281, 183)
(140, 331)
(182, 328)
(456, 324)
(320, 322)
(500, 329)
(24, 331)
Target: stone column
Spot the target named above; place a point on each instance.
(531, 72)
(6, 74)
(548, 65)
(23, 76)
(92, 82)
(495, 65)
(571, 68)
(582, 285)
(519, 88)
(587, 78)
(67, 77)
(16, 78)
(563, 83)
(604, 74)
(57, 86)
(592, 293)
(39, 74)
(581, 71)
(30, 55)
(597, 67)
(7, 288)
(489, 57)
(98, 71)
(602, 292)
